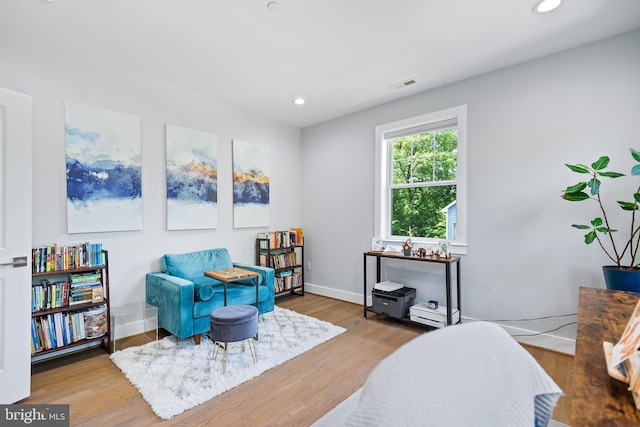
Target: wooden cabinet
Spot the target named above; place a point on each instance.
(287, 261)
(70, 307)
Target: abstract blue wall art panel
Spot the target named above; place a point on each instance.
(192, 179)
(104, 185)
(250, 185)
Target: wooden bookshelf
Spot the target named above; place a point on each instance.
(70, 308)
(284, 252)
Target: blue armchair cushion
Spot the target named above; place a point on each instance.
(189, 266)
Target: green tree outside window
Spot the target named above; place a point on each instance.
(424, 172)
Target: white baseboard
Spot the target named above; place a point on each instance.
(336, 294)
(544, 340)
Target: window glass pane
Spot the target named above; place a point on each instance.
(418, 212)
(425, 157)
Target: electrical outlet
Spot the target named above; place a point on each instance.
(308, 265)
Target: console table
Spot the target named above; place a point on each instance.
(598, 399)
(444, 261)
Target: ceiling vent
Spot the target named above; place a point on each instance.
(403, 84)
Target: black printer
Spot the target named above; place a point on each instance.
(393, 303)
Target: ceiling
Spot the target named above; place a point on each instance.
(343, 56)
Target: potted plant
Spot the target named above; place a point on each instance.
(623, 275)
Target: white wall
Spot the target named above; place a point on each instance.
(524, 123)
(132, 254)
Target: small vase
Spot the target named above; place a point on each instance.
(407, 252)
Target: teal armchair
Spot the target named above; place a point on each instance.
(185, 297)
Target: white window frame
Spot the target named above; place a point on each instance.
(383, 177)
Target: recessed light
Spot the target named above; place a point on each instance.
(299, 101)
(273, 6)
(544, 6)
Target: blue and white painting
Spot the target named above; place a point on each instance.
(104, 186)
(192, 179)
(250, 185)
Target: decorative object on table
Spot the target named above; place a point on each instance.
(443, 252)
(250, 185)
(104, 179)
(624, 274)
(406, 247)
(376, 244)
(421, 253)
(175, 375)
(192, 179)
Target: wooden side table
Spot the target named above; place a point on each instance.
(598, 399)
(234, 274)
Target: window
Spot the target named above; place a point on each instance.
(420, 178)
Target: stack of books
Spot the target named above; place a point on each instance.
(86, 287)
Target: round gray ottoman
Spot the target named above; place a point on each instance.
(234, 323)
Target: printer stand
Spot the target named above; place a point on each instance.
(447, 262)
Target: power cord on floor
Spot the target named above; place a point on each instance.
(544, 332)
(533, 318)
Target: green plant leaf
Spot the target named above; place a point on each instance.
(596, 222)
(612, 174)
(636, 196)
(628, 206)
(635, 170)
(590, 237)
(594, 184)
(601, 163)
(635, 154)
(575, 197)
(605, 230)
(580, 226)
(576, 188)
(579, 168)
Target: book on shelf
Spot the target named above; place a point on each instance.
(46, 295)
(280, 239)
(59, 329)
(287, 280)
(56, 257)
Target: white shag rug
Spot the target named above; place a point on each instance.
(174, 375)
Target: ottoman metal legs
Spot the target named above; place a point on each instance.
(234, 323)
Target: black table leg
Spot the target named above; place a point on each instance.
(364, 291)
(448, 280)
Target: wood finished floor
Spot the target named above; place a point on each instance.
(296, 393)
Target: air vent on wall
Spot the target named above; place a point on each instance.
(403, 84)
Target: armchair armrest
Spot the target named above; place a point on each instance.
(267, 275)
(174, 298)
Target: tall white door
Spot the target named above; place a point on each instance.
(15, 246)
